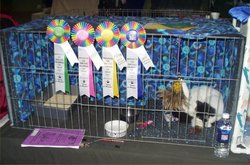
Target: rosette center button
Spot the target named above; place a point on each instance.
(132, 36)
(82, 35)
(59, 31)
(107, 35)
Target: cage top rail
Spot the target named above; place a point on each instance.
(149, 34)
(136, 12)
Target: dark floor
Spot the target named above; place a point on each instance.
(107, 153)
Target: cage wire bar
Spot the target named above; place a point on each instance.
(137, 12)
(91, 114)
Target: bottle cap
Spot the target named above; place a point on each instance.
(225, 115)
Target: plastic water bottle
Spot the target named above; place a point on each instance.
(222, 145)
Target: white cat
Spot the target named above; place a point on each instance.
(204, 94)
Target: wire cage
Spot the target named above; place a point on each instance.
(138, 12)
(213, 61)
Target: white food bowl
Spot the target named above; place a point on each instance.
(116, 128)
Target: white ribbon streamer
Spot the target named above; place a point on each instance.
(83, 72)
(93, 54)
(59, 68)
(117, 55)
(131, 72)
(107, 72)
(132, 68)
(143, 55)
(70, 54)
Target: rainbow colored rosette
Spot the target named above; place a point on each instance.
(133, 35)
(83, 34)
(107, 34)
(58, 31)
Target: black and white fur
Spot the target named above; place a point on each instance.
(205, 106)
(204, 112)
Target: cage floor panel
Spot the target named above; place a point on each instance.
(93, 120)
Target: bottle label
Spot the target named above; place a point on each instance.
(224, 137)
(226, 127)
(224, 134)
